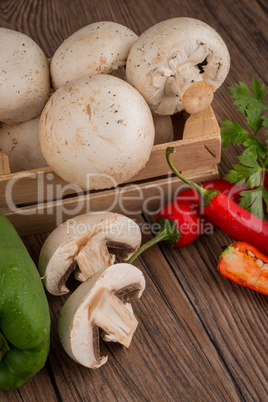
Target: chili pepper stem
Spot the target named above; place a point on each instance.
(160, 237)
(168, 233)
(206, 195)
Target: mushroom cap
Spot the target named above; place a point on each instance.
(84, 240)
(95, 49)
(96, 132)
(95, 305)
(20, 143)
(24, 77)
(172, 52)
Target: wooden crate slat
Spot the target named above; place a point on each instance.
(200, 124)
(131, 199)
(4, 164)
(40, 185)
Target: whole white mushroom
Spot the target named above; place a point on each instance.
(24, 77)
(96, 132)
(98, 48)
(164, 131)
(178, 64)
(20, 143)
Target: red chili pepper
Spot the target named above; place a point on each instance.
(235, 221)
(246, 265)
(188, 203)
(177, 231)
(181, 222)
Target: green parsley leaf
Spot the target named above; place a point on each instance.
(235, 177)
(264, 120)
(239, 174)
(258, 89)
(254, 180)
(242, 94)
(252, 201)
(255, 147)
(253, 118)
(254, 159)
(245, 98)
(234, 133)
(249, 160)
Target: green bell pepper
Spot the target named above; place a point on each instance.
(24, 312)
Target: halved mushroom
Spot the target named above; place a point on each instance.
(96, 132)
(98, 48)
(178, 64)
(100, 305)
(20, 143)
(24, 77)
(85, 245)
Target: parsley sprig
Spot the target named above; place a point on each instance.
(253, 162)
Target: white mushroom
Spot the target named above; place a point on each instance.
(178, 64)
(96, 132)
(163, 129)
(99, 305)
(24, 77)
(86, 244)
(98, 48)
(20, 143)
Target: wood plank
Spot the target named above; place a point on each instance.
(204, 122)
(41, 185)
(170, 340)
(233, 316)
(128, 200)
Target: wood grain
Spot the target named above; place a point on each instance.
(200, 337)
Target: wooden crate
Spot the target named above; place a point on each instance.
(38, 200)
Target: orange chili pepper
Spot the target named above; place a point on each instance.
(246, 265)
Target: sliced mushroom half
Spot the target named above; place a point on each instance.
(100, 307)
(85, 245)
(178, 64)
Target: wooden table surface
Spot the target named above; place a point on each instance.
(200, 337)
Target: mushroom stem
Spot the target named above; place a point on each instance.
(197, 97)
(189, 88)
(181, 80)
(114, 318)
(92, 256)
(168, 233)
